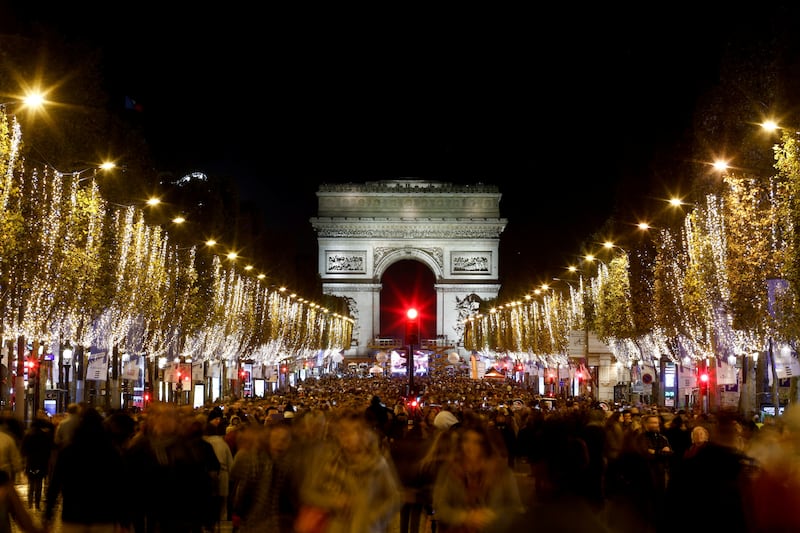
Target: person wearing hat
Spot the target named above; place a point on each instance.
(445, 419)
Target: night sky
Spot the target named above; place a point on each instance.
(565, 110)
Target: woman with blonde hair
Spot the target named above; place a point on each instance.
(352, 482)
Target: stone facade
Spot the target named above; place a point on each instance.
(362, 229)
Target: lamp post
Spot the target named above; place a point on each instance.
(66, 362)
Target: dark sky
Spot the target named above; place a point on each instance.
(564, 110)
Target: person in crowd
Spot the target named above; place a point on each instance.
(475, 490)
(658, 446)
(380, 417)
(10, 455)
(564, 498)
(216, 417)
(37, 451)
(679, 436)
(699, 438)
(774, 495)
(13, 426)
(659, 454)
(352, 480)
(121, 427)
(502, 428)
(66, 428)
(12, 511)
(718, 474)
(614, 435)
(627, 420)
(400, 419)
(426, 421)
(407, 451)
(272, 414)
(528, 436)
(173, 472)
(437, 454)
(263, 482)
(630, 489)
(232, 431)
(213, 435)
(89, 448)
(445, 418)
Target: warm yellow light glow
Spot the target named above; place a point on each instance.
(211, 242)
(262, 276)
(179, 220)
(108, 165)
(770, 125)
(34, 99)
(720, 166)
(589, 258)
(153, 201)
(675, 202)
(248, 267)
(232, 255)
(644, 226)
(608, 244)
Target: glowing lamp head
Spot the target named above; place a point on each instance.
(412, 314)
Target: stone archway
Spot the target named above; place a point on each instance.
(404, 284)
(362, 229)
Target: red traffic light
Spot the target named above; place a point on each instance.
(412, 326)
(704, 377)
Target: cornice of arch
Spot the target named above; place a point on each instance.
(331, 287)
(467, 287)
(385, 228)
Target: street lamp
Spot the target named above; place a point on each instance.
(32, 102)
(66, 362)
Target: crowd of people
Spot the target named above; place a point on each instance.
(358, 455)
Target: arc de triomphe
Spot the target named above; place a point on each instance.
(362, 229)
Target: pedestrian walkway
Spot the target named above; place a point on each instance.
(55, 525)
(523, 479)
(38, 516)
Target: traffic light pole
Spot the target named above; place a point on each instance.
(412, 338)
(410, 364)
